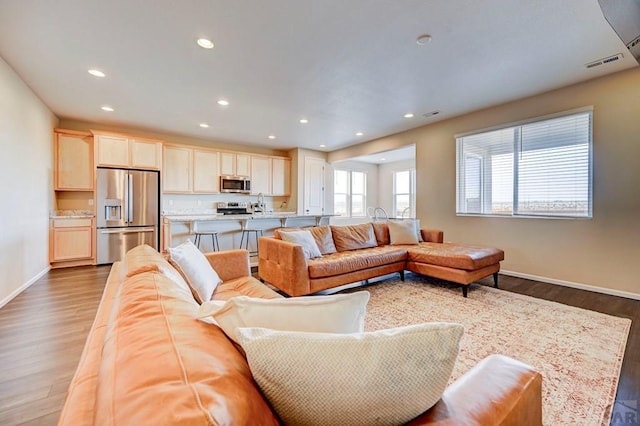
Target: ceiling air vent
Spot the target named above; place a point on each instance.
(604, 61)
(431, 114)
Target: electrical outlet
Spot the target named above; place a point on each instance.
(199, 203)
(170, 202)
(90, 201)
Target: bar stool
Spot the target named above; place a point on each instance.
(214, 238)
(257, 233)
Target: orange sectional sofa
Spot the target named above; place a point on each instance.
(148, 360)
(349, 255)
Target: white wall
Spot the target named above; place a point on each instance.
(26, 175)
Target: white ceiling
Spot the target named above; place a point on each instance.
(347, 66)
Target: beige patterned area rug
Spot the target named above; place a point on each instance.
(578, 352)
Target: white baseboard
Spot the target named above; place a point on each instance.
(571, 284)
(23, 287)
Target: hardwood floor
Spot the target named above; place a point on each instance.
(42, 333)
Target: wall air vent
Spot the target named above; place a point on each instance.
(604, 61)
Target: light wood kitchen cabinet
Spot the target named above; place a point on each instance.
(145, 154)
(71, 240)
(270, 176)
(206, 178)
(280, 176)
(125, 151)
(235, 164)
(176, 171)
(260, 175)
(73, 167)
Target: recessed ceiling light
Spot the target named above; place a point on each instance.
(271, 137)
(205, 43)
(408, 115)
(96, 73)
(204, 125)
(382, 159)
(303, 121)
(107, 108)
(359, 134)
(223, 102)
(423, 39)
(322, 146)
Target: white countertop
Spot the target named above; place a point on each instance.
(70, 214)
(219, 216)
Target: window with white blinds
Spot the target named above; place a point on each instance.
(541, 168)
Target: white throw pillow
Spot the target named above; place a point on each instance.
(338, 313)
(403, 232)
(383, 377)
(197, 270)
(305, 239)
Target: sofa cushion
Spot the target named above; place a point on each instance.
(321, 234)
(169, 368)
(305, 239)
(353, 237)
(455, 256)
(196, 269)
(380, 377)
(355, 260)
(243, 286)
(381, 229)
(402, 232)
(336, 313)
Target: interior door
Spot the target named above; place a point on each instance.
(313, 186)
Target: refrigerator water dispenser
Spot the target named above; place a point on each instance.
(112, 209)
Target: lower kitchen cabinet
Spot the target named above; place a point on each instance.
(71, 242)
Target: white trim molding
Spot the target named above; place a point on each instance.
(580, 286)
(23, 287)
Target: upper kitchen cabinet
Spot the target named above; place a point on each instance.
(270, 176)
(280, 176)
(129, 152)
(205, 172)
(260, 175)
(73, 161)
(176, 172)
(235, 164)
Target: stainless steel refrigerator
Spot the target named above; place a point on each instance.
(127, 212)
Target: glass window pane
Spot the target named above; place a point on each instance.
(340, 204)
(358, 183)
(502, 184)
(402, 203)
(357, 205)
(340, 181)
(402, 182)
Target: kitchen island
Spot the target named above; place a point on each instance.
(177, 227)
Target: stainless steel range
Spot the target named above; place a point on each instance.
(233, 208)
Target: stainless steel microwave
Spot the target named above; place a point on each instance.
(237, 184)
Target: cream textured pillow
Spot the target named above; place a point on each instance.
(305, 239)
(382, 377)
(403, 232)
(197, 270)
(339, 313)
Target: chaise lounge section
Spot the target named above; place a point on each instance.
(361, 252)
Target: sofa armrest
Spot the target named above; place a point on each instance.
(230, 264)
(283, 265)
(497, 391)
(432, 235)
